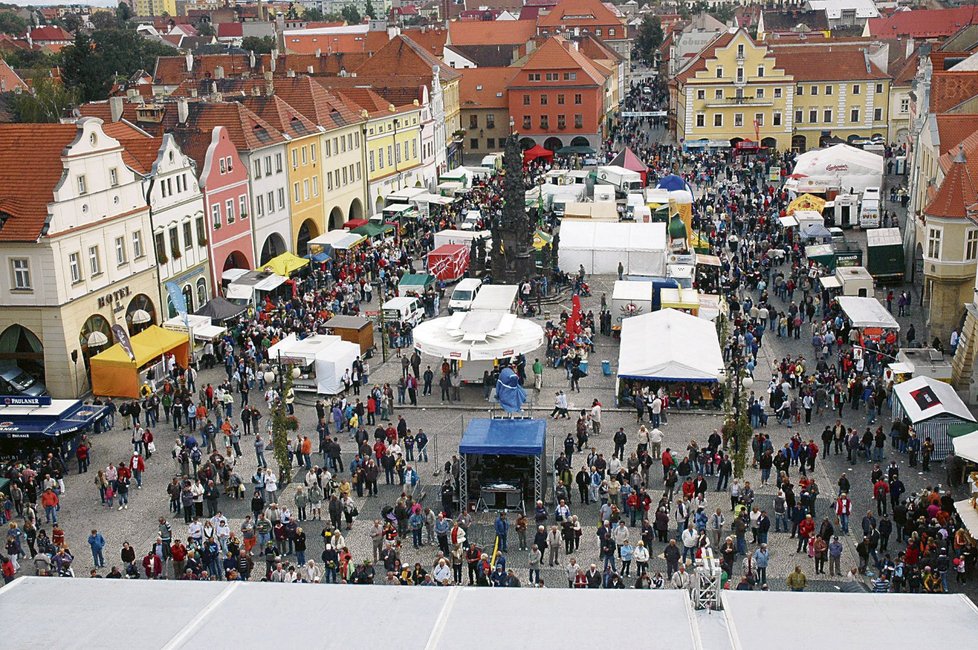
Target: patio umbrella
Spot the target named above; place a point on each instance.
(97, 339)
(141, 316)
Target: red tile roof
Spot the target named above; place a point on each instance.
(432, 40)
(370, 42)
(10, 80)
(371, 102)
(557, 54)
(230, 30)
(579, 13)
(826, 63)
(140, 150)
(26, 190)
(948, 89)
(50, 33)
(923, 23)
(503, 32)
(406, 57)
(315, 102)
(245, 129)
(956, 192)
(277, 112)
(484, 87)
(952, 129)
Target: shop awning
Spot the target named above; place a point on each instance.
(969, 516)
(830, 282)
(285, 264)
(338, 239)
(867, 312)
(373, 229)
(788, 221)
(220, 309)
(707, 260)
(201, 326)
(575, 150)
(437, 199)
(61, 417)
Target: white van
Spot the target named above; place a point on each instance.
(465, 292)
(869, 208)
(407, 309)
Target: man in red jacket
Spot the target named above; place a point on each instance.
(880, 489)
(152, 566)
(805, 529)
(138, 466)
(179, 554)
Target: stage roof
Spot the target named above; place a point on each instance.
(504, 437)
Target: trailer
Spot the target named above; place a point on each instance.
(884, 254)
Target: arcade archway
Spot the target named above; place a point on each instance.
(308, 230)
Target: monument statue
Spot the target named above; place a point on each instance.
(512, 230)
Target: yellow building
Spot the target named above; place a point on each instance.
(779, 96)
(154, 7)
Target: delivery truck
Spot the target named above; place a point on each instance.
(623, 180)
(884, 255)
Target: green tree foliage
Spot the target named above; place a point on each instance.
(11, 23)
(258, 44)
(351, 15)
(92, 63)
(649, 38)
(123, 13)
(105, 20)
(370, 11)
(47, 102)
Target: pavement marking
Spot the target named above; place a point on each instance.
(183, 636)
(434, 639)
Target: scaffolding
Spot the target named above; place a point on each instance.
(707, 576)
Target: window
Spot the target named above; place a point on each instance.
(305, 156)
(740, 75)
(312, 153)
(216, 216)
(561, 121)
(578, 99)
(738, 119)
(719, 73)
(296, 197)
(473, 121)
(798, 116)
(879, 88)
(905, 105)
(358, 168)
(397, 152)
(21, 271)
(570, 76)
(718, 93)
(174, 242)
(527, 124)
(878, 114)
(371, 161)
(534, 76)
(700, 119)
(74, 268)
(760, 71)
(223, 167)
(82, 186)
(120, 251)
(560, 100)
(490, 143)
(260, 205)
(137, 244)
(777, 93)
(315, 186)
(390, 156)
(490, 120)
(295, 158)
(474, 143)
(971, 245)
(188, 240)
(229, 211)
(611, 31)
(243, 206)
(201, 233)
(776, 119)
(758, 119)
(94, 261)
(718, 119)
(799, 91)
(305, 190)
(268, 165)
(113, 177)
(544, 121)
(257, 168)
(812, 115)
(578, 121)
(701, 95)
(854, 115)
(414, 150)
(934, 242)
(855, 89)
(828, 90)
(278, 162)
(827, 115)
(281, 198)
(760, 93)
(526, 100)
(543, 100)
(814, 91)
(740, 51)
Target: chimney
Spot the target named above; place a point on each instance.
(115, 108)
(251, 59)
(290, 73)
(269, 84)
(309, 69)
(190, 62)
(319, 52)
(273, 57)
(193, 93)
(219, 72)
(256, 91)
(182, 111)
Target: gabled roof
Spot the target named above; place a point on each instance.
(368, 42)
(709, 52)
(505, 32)
(953, 129)
(949, 89)
(487, 56)
(405, 56)
(277, 112)
(230, 30)
(373, 103)
(10, 80)
(431, 39)
(579, 13)
(315, 102)
(956, 192)
(140, 150)
(484, 87)
(245, 129)
(826, 63)
(923, 23)
(50, 33)
(556, 54)
(26, 190)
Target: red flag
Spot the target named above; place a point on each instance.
(574, 322)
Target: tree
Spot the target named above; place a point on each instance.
(71, 22)
(91, 64)
(46, 102)
(11, 23)
(312, 14)
(205, 28)
(258, 44)
(351, 15)
(123, 13)
(649, 38)
(370, 11)
(104, 20)
(283, 426)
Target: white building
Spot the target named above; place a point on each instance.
(846, 13)
(75, 243)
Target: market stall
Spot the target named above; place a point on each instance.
(477, 336)
(931, 407)
(374, 230)
(220, 309)
(449, 262)
(321, 360)
(502, 463)
(868, 314)
(606, 211)
(353, 329)
(682, 299)
(44, 422)
(536, 152)
(670, 348)
(199, 325)
(415, 284)
(806, 201)
(836, 167)
(285, 264)
(330, 243)
(599, 247)
(116, 374)
(252, 287)
(627, 159)
(965, 443)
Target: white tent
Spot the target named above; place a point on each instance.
(599, 247)
(669, 345)
(966, 446)
(200, 325)
(923, 398)
(839, 166)
(329, 356)
(969, 516)
(867, 312)
(477, 336)
(338, 239)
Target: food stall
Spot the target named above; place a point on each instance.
(931, 407)
(199, 326)
(117, 374)
(415, 284)
(685, 300)
(285, 264)
(334, 243)
(321, 360)
(354, 329)
(252, 287)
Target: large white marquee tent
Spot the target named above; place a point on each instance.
(839, 166)
(669, 345)
(599, 247)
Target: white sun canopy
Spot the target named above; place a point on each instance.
(200, 325)
(669, 345)
(867, 312)
(330, 355)
(477, 336)
(599, 247)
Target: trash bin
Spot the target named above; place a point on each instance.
(583, 367)
(606, 368)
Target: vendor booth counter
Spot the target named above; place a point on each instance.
(116, 374)
(501, 463)
(320, 359)
(353, 329)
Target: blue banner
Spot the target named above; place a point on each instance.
(178, 300)
(24, 400)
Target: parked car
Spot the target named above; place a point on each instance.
(14, 381)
